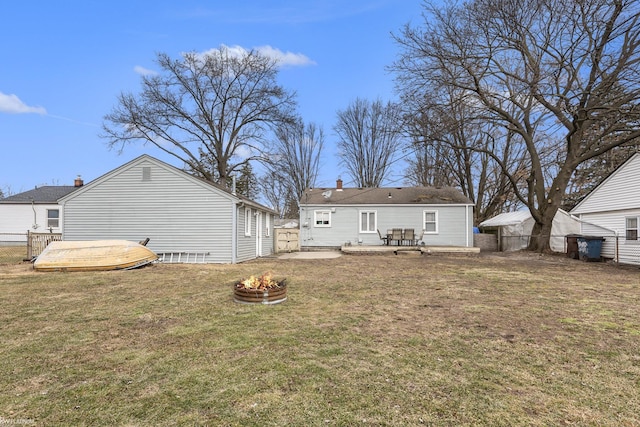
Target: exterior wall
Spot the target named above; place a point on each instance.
(177, 213)
(619, 191)
(609, 224)
(247, 248)
(246, 244)
(22, 217)
(268, 248)
(454, 225)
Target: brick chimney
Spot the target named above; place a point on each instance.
(78, 182)
(339, 185)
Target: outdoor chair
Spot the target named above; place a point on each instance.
(409, 235)
(385, 238)
(396, 234)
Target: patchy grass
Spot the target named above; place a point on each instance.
(362, 340)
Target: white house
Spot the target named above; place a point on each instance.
(612, 210)
(35, 210)
(333, 217)
(186, 219)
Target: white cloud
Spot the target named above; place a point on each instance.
(13, 105)
(144, 71)
(282, 58)
(285, 58)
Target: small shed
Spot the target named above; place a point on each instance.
(514, 229)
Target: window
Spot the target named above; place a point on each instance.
(247, 221)
(431, 222)
(368, 222)
(322, 218)
(53, 218)
(632, 228)
(267, 225)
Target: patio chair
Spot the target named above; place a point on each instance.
(409, 235)
(385, 238)
(396, 234)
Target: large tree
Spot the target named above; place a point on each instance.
(212, 111)
(368, 139)
(561, 77)
(295, 161)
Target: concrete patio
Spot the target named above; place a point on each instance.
(428, 250)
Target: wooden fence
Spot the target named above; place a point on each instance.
(36, 242)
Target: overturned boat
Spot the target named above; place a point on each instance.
(94, 255)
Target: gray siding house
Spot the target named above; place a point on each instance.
(333, 217)
(612, 210)
(186, 219)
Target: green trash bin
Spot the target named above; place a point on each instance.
(590, 248)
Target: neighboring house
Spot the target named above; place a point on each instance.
(612, 210)
(513, 229)
(35, 210)
(186, 219)
(333, 217)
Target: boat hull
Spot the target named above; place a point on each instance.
(94, 255)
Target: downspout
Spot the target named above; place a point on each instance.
(234, 232)
(35, 216)
(466, 222)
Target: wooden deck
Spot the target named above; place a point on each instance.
(427, 250)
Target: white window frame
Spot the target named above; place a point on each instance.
(368, 213)
(319, 215)
(49, 219)
(247, 222)
(267, 225)
(435, 221)
(627, 229)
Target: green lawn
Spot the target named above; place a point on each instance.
(362, 340)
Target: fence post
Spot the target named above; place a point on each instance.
(29, 247)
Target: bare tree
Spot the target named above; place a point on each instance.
(211, 111)
(295, 160)
(274, 188)
(446, 140)
(369, 137)
(560, 77)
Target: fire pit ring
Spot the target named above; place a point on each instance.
(273, 295)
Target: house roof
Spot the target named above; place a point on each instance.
(606, 195)
(384, 196)
(146, 157)
(44, 194)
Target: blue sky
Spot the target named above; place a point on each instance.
(65, 62)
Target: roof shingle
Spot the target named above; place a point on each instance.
(44, 194)
(384, 196)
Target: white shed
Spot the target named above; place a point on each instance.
(514, 229)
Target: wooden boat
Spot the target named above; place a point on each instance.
(93, 255)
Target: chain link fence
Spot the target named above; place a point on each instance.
(13, 247)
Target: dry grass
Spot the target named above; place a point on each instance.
(362, 340)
